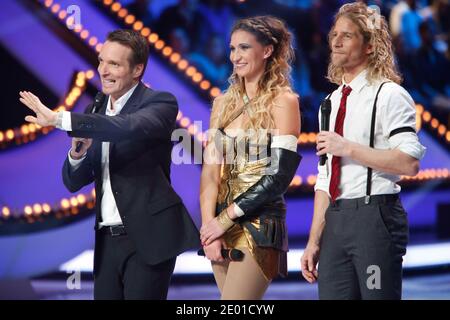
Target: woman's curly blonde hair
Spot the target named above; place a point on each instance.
(275, 80)
(375, 32)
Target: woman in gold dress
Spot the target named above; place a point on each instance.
(250, 160)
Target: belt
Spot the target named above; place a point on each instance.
(360, 202)
(113, 231)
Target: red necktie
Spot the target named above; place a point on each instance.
(338, 128)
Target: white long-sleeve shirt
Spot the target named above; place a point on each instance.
(395, 109)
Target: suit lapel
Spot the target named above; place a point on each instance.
(131, 104)
(134, 100)
(97, 145)
(102, 109)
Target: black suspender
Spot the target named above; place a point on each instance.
(372, 139)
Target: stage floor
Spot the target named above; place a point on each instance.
(424, 287)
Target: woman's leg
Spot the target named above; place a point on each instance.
(220, 270)
(244, 280)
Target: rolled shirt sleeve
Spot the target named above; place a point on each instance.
(398, 118)
(408, 142)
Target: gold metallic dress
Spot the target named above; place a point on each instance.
(244, 163)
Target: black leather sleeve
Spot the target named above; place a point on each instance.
(284, 164)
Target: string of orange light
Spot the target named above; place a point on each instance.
(166, 51)
(423, 175)
(183, 65)
(28, 132)
(65, 207)
(72, 206)
(438, 128)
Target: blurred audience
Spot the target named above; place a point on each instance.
(183, 15)
(431, 72)
(213, 60)
(141, 10)
(198, 29)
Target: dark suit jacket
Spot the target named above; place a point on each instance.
(153, 214)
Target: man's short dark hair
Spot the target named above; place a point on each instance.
(136, 42)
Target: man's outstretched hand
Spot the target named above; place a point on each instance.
(44, 116)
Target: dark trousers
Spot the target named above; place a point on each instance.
(362, 249)
(121, 274)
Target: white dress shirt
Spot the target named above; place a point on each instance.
(110, 212)
(395, 109)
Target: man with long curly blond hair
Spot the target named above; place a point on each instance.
(359, 230)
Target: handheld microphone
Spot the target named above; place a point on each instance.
(230, 254)
(325, 110)
(98, 101)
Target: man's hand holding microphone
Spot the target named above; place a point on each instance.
(79, 147)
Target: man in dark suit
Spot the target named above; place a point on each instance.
(123, 143)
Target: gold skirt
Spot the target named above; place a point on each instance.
(272, 262)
